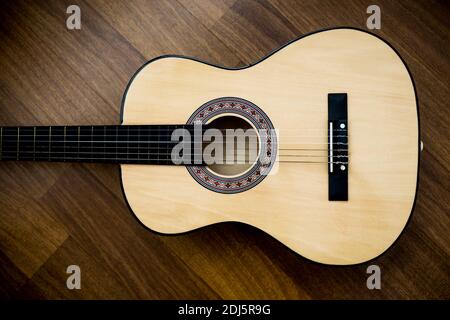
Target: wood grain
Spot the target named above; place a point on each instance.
(51, 75)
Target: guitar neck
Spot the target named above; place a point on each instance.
(138, 144)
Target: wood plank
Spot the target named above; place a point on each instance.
(50, 75)
(104, 228)
(30, 235)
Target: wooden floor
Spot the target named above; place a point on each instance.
(54, 215)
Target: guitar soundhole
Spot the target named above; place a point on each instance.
(240, 146)
(252, 162)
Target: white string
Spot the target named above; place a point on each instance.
(150, 142)
(146, 160)
(162, 154)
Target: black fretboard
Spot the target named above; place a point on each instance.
(138, 144)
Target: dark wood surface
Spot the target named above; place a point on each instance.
(53, 215)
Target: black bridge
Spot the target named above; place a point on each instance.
(337, 147)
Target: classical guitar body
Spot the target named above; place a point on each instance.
(343, 148)
(291, 87)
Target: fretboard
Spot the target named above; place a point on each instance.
(139, 144)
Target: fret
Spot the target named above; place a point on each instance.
(133, 149)
(57, 141)
(145, 138)
(65, 131)
(128, 140)
(25, 144)
(110, 142)
(98, 144)
(49, 143)
(78, 141)
(85, 143)
(71, 143)
(117, 139)
(148, 149)
(104, 142)
(159, 136)
(34, 143)
(9, 143)
(165, 145)
(167, 151)
(18, 142)
(122, 142)
(92, 140)
(42, 143)
(139, 140)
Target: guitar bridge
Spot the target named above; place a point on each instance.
(337, 147)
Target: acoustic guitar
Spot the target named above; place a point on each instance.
(320, 145)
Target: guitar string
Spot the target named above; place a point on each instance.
(13, 153)
(13, 144)
(147, 135)
(150, 142)
(162, 154)
(142, 129)
(139, 136)
(146, 152)
(64, 139)
(159, 160)
(109, 150)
